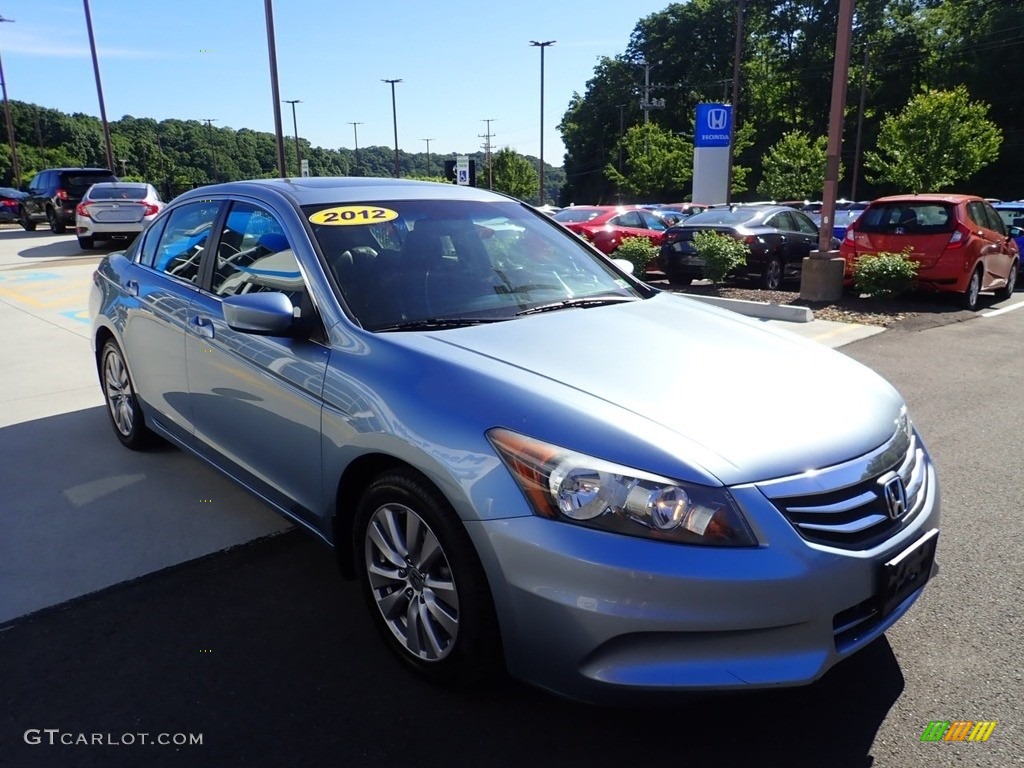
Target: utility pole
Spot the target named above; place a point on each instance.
(275, 91)
(99, 88)
(647, 104)
(428, 154)
(355, 138)
(213, 150)
(860, 119)
(15, 166)
(736, 58)
(487, 148)
(295, 126)
(394, 118)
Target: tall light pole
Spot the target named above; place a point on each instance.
(428, 154)
(295, 125)
(99, 88)
(15, 166)
(394, 118)
(355, 138)
(542, 46)
(860, 119)
(268, 11)
(737, 56)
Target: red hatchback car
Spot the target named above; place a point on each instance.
(960, 242)
(606, 226)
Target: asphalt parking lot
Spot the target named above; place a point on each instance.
(215, 620)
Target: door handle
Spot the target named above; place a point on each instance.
(132, 288)
(201, 326)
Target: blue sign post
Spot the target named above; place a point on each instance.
(714, 124)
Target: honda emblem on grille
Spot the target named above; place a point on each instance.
(894, 493)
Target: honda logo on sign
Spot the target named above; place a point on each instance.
(718, 119)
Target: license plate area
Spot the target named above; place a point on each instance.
(907, 572)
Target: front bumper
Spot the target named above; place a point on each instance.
(599, 616)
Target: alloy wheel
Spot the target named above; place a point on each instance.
(118, 389)
(773, 274)
(411, 582)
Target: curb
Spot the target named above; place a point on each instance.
(760, 309)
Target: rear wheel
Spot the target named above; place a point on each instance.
(26, 223)
(1011, 283)
(56, 225)
(969, 298)
(423, 581)
(85, 242)
(679, 281)
(772, 278)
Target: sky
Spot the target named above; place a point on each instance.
(460, 63)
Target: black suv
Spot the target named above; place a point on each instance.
(53, 195)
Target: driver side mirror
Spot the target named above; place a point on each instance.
(624, 264)
(270, 313)
(1016, 232)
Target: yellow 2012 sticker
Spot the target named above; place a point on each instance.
(353, 215)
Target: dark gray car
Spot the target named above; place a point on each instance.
(53, 195)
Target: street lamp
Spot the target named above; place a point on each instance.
(428, 154)
(275, 92)
(295, 125)
(355, 138)
(99, 87)
(394, 118)
(15, 166)
(213, 150)
(542, 46)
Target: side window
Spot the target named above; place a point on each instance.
(782, 221)
(150, 238)
(653, 222)
(254, 255)
(976, 212)
(184, 239)
(628, 219)
(805, 225)
(994, 222)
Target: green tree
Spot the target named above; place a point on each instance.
(939, 138)
(513, 174)
(658, 163)
(794, 167)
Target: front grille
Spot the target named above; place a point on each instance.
(846, 506)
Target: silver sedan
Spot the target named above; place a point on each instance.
(529, 460)
(116, 210)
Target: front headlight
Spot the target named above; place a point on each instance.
(571, 487)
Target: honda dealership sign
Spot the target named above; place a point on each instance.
(712, 130)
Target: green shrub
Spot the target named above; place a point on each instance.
(638, 251)
(721, 253)
(885, 274)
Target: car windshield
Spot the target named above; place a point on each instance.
(577, 215)
(907, 218)
(117, 193)
(728, 216)
(438, 263)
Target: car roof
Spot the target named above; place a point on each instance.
(79, 170)
(951, 198)
(121, 184)
(341, 189)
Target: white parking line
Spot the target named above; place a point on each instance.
(1001, 310)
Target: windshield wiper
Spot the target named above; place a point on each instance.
(581, 301)
(438, 323)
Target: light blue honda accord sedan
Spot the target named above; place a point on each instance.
(530, 460)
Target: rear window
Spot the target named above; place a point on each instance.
(118, 193)
(80, 182)
(907, 218)
(577, 215)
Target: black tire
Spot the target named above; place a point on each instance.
(1011, 284)
(26, 223)
(122, 403)
(771, 279)
(969, 298)
(86, 243)
(455, 640)
(679, 281)
(56, 225)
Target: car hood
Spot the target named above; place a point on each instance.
(758, 402)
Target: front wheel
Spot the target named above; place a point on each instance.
(56, 225)
(969, 298)
(679, 281)
(122, 403)
(772, 278)
(1011, 283)
(423, 581)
